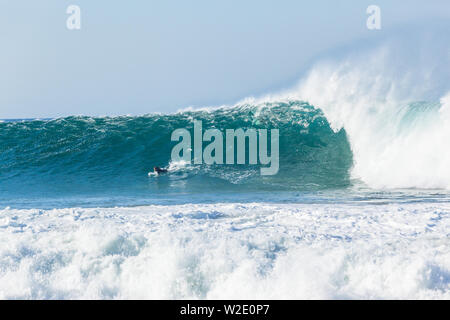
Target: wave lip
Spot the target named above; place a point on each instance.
(392, 102)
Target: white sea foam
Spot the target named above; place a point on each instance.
(178, 165)
(227, 251)
(395, 144)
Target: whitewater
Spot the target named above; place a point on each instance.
(358, 210)
(227, 251)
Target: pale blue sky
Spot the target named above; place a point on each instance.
(137, 57)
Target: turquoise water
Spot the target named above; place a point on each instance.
(79, 161)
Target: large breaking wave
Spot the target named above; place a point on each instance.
(83, 154)
(379, 117)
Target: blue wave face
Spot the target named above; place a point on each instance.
(84, 157)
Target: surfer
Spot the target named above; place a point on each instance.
(158, 170)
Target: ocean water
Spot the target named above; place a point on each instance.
(360, 208)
